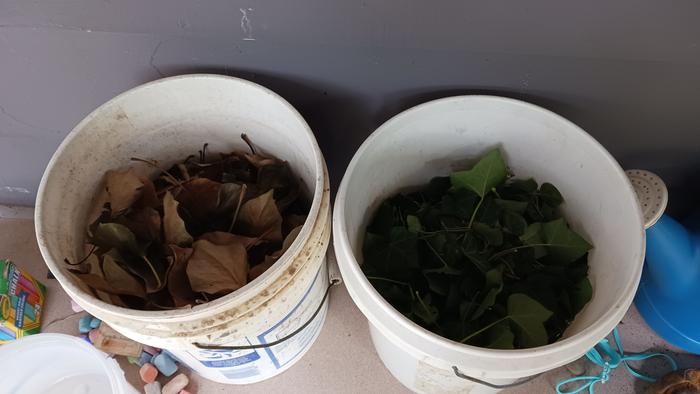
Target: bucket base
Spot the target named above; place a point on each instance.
(421, 373)
(675, 321)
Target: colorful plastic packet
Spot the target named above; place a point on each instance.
(21, 301)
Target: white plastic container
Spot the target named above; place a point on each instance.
(167, 120)
(59, 364)
(426, 141)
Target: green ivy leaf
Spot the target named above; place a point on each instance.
(580, 294)
(550, 195)
(514, 222)
(527, 186)
(460, 203)
(413, 224)
(395, 255)
(491, 235)
(108, 236)
(512, 205)
(533, 236)
(438, 283)
(500, 337)
(564, 244)
(493, 286)
(488, 173)
(383, 220)
(529, 317)
(424, 309)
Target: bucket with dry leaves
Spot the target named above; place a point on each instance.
(200, 230)
(193, 212)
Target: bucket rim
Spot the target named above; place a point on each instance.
(367, 298)
(248, 291)
(111, 369)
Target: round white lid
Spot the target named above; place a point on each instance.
(651, 193)
(59, 364)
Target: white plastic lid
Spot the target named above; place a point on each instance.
(651, 193)
(59, 364)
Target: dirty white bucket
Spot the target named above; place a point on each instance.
(167, 120)
(59, 364)
(426, 141)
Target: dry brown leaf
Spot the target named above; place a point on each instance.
(259, 269)
(292, 221)
(94, 281)
(229, 194)
(149, 197)
(112, 281)
(217, 269)
(200, 197)
(677, 382)
(121, 281)
(97, 207)
(124, 188)
(260, 217)
(289, 239)
(144, 223)
(222, 238)
(178, 283)
(260, 161)
(173, 226)
(270, 260)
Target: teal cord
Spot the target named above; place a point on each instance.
(608, 361)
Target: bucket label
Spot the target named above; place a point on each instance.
(226, 358)
(282, 354)
(249, 366)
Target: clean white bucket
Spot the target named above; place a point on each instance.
(426, 141)
(59, 364)
(167, 120)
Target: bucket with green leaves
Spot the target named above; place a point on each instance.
(486, 240)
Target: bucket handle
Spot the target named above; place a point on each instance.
(332, 282)
(491, 385)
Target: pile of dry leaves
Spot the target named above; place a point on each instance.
(201, 230)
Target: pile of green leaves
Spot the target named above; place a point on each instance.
(479, 258)
(202, 229)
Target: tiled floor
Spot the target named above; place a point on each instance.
(342, 360)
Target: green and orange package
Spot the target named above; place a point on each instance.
(21, 301)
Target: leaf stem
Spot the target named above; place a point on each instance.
(84, 259)
(238, 206)
(203, 153)
(245, 138)
(514, 249)
(153, 270)
(420, 300)
(396, 282)
(154, 164)
(476, 209)
(470, 336)
(447, 230)
(444, 263)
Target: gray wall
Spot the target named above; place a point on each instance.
(626, 71)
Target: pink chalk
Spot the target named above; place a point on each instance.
(148, 373)
(75, 307)
(183, 391)
(151, 350)
(93, 334)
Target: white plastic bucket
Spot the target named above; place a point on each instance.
(426, 141)
(59, 364)
(167, 120)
